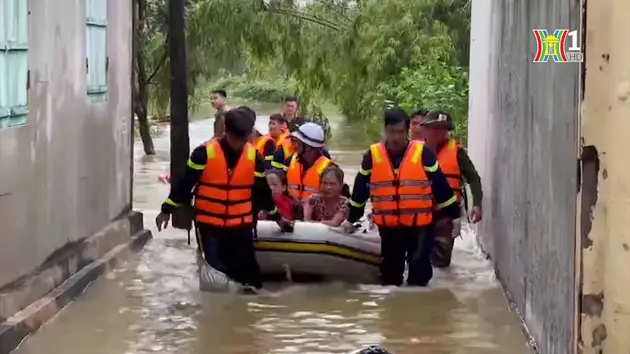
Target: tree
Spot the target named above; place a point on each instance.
(351, 53)
(359, 55)
(150, 55)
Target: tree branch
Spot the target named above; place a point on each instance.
(308, 18)
(159, 65)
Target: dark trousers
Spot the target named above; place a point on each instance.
(443, 250)
(231, 251)
(406, 245)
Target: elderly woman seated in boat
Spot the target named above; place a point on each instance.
(328, 206)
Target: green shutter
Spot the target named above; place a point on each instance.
(96, 50)
(13, 63)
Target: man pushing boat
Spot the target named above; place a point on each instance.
(405, 183)
(226, 176)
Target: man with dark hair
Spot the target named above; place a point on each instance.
(291, 113)
(219, 103)
(405, 184)
(457, 167)
(284, 152)
(268, 144)
(416, 127)
(227, 178)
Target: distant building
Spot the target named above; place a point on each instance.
(65, 134)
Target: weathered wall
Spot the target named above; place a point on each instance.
(65, 174)
(604, 235)
(523, 129)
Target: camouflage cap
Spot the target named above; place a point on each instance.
(438, 119)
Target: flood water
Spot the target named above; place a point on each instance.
(152, 304)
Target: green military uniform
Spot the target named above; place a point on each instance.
(445, 238)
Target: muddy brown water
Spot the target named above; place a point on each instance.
(152, 304)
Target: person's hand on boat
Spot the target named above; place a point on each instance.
(348, 227)
(161, 220)
(285, 225)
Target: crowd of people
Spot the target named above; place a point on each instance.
(414, 179)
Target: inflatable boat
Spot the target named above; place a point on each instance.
(319, 251)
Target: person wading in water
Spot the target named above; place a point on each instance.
(227, 177)
(406, 185)
(457, 167)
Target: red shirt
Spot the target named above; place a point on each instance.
(286, 206)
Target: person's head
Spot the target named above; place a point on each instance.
(436, 126)
(331, 182)
(396, 128)
(249, 111)
(218, 98)
(417, 131)
(277, 181)
(290, 106)
(308, 141)
(238, 128)
(276, 123)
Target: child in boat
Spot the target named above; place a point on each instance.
(289, 206)
(328, 206)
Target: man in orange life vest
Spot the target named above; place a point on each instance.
(405, 183)
(268, 144)
(308, 163)
(457, 167)
(228, 177)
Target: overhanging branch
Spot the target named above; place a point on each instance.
(309, 18)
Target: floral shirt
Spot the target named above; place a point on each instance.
(319, 211)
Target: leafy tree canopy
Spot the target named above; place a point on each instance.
(356, 54)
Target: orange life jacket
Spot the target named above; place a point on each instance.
(287, 148)
(262, 141)
(282, 138)
(447, 159)
(303, 184)
(223, 197)
(402, 198)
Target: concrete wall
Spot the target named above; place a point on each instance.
(67, 173)
(523, 138)
(604, 235)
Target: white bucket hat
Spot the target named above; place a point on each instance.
(310, 134)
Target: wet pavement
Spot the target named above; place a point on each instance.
(152, 304)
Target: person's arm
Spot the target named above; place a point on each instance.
(361, 190)
(343, 210)
(278, 159)
(470, 175)
(308, 208)
(298, 210)
(182, 189)
(269, 149)
(442, 193)
(261, 193)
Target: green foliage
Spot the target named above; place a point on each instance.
(437, 87)
(270, 89)
(356, 54)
